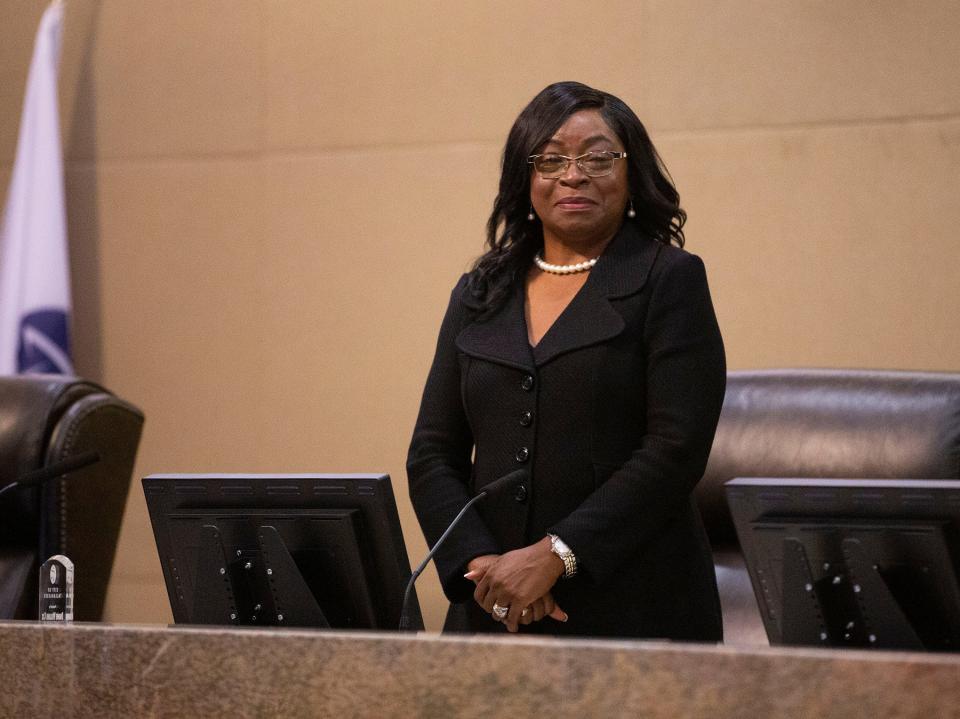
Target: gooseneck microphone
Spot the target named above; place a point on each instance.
(52, 471)
(497, 486)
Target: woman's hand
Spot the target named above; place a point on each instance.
(545, 606)
(520, 580)
(478, 566)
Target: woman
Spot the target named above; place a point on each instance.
(582, 347)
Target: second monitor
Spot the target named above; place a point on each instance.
(853, 562)
(294, 550)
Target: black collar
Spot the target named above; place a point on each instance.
(590, 318)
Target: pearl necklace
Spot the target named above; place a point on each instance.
(563, 269)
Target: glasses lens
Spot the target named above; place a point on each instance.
(550, 165)
(596, 164)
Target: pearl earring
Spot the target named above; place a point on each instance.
(631, 213)
(530, 216)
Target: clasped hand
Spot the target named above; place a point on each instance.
(521, 580)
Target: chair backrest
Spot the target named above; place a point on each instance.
(830, 423)
(44, 419)
(820, 423)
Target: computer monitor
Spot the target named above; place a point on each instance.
(290, 550)
(853, 562)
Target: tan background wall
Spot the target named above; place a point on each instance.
(269, 201)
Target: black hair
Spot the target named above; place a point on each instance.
(512, 239)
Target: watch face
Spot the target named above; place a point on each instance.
(559, 546)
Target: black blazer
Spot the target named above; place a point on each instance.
(613, 414)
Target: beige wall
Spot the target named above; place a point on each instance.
(269, 201)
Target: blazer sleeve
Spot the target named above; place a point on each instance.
(438, 462)
(686, 380)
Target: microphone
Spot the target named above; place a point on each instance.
(494, 488)
(52, 471)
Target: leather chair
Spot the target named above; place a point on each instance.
(820, 423)
(45, 419)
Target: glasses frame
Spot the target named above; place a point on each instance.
(532, 160)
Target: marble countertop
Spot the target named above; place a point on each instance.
(110, 670)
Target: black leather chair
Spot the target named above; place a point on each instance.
(820, 423)
(45, 419)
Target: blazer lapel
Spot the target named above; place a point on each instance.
(589, 319)
(501, 338)
(625, 265)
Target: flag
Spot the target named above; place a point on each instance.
(34, 265)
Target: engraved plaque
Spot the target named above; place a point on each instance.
(56, 590)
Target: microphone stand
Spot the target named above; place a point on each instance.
(404, 611)
(495, 487)
(52, 471)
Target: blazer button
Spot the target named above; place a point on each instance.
(526, 384)
(521, 495)
(523, 454)
(526, 418)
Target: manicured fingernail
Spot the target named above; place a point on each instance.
(470, 575)
(565, 617)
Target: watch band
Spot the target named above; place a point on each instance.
(569, 559)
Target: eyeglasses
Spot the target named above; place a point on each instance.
(591, 164)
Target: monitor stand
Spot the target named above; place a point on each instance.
(853, 602)
(264, 588)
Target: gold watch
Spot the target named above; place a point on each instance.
(560, 548)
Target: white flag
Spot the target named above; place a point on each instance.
(34, 267)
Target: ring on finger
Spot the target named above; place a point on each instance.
(500, 613)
